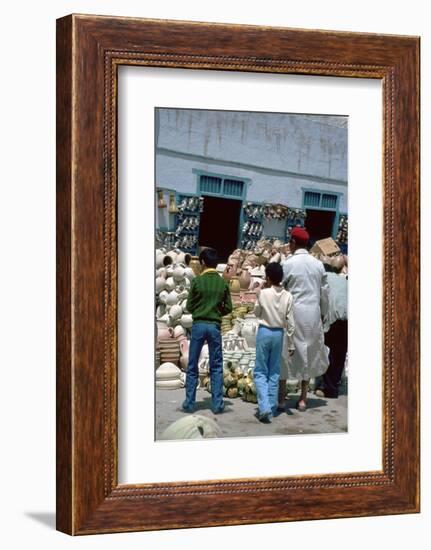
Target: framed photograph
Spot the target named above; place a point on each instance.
(237, 274)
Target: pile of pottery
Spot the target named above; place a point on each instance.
(169, 377)
(174, 272)
(237, 382)
(228, 322)
(245, 270)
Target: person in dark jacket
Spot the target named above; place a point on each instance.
(208, 301)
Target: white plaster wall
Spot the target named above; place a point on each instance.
(313, 145)
(177, 173)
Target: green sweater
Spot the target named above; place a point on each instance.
(209, 298)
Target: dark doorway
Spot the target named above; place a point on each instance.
(219, 225)
(319, 224)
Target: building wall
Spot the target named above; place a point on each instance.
(277, 155)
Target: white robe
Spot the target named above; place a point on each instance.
(305, 278)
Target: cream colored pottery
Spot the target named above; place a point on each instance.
(276, 257)
(204, 352)
(169, 384)
(172, 298)
(181, 258)
(163, 331)
(249, 330)
(187, 320)
(244, 279)
(229, 272)
(159, 259)
(189, 273)
(179, 331)
(160, 284)
(170, 284)
(172, 254)
(163, 296)
(168, 371)
(192, 427)
(234, 285)
(182, 293)
(184, 361)
(178, 273)
(161, 272)
(175, 312)
(186, 283)
(160, 311)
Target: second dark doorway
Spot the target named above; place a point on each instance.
(319, 224)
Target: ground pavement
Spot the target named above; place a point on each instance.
(238, 420)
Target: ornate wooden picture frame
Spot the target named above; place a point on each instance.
(89, 51)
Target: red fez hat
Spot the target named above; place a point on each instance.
(300, 235)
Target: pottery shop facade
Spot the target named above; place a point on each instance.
(227, 178)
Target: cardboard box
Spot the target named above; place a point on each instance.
(326, 247)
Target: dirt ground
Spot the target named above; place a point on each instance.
(238, 420)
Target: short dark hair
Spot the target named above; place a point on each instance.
(209, 256)
(274, 272)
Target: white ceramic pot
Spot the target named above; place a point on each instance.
(172, 298)
(170, 284)
(187, 320)
(181, 257)
(178, 273)
(172, 254)
(161, 272)
(275, 258)
(159, 258)
(249, 330)
(186, 282)
(163, 331)
(179, 331)
(168, 371)
(175, 312)
(189, 273)
(192, 427)
(160, 284)
(160, 311)
(163, 296)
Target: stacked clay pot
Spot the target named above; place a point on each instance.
(169, 377)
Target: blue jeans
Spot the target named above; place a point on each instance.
(269, 343)
(201, 333)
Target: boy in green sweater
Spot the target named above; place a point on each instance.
(209, 299)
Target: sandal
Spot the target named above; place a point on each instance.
(299, 407)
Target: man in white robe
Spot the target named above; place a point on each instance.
(305, 278)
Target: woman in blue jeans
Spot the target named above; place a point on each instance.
(273, 308)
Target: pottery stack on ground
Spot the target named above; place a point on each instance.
(169, 351)
(169, 377)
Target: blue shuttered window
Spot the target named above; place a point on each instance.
(210, 184)
(311, 199)
(329, 201)
(221, 186)
(233, 188)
